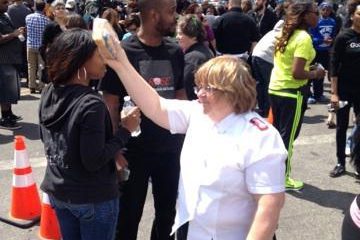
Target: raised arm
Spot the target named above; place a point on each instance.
(146, 98)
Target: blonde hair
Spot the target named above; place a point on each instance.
(232, 78)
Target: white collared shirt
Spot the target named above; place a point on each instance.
(222, 166)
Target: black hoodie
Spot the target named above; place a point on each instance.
(76, 130)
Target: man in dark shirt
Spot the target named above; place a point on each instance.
(10, 54)
(17, 13)
(155, 152)
(265, 18)
(235, 32)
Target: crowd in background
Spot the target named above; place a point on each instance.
(289, 49)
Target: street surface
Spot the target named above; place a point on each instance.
(314, 214)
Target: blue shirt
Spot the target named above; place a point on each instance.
(324, 29)
(35, 25)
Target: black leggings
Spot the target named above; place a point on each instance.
(342, 123)
(288, 109)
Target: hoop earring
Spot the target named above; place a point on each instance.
(85, 73)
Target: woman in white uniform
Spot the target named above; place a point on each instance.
(232, 162)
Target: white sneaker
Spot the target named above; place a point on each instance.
(311, 100)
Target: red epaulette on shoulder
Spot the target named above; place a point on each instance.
(260, 124)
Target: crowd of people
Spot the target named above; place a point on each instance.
(204, 77)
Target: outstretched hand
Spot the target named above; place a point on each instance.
(118, 54)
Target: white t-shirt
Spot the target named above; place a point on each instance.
(265, 48)
(222, 166)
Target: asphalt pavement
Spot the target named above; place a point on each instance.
(315, 213)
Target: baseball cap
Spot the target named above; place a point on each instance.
(57, 2)
(325, 5)
(70, 4)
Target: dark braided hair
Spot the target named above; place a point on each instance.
(294, 19)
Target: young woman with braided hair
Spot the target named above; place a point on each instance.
(293, 54)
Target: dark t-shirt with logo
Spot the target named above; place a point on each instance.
(345, 61)
(162, 67)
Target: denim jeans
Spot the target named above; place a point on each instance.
(90, 221)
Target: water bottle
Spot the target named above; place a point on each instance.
(319, 66)
(21, 37)
(128, 105)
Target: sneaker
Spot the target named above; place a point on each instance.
(311, 100)
(291, 184)
(337, 171)
(13, 117)
(7, 123)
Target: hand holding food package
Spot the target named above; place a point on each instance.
(105, 37)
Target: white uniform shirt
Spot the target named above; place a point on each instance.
(222, 165)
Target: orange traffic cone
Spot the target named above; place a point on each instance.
(25, 201)
(270, 117)
(49, 225)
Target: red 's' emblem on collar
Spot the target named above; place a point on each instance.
(259, 124)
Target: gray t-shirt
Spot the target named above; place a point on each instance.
(17, 14)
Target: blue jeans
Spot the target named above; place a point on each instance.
(90, 221)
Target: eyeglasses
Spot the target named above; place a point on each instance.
(315, 12)
(207, 89)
